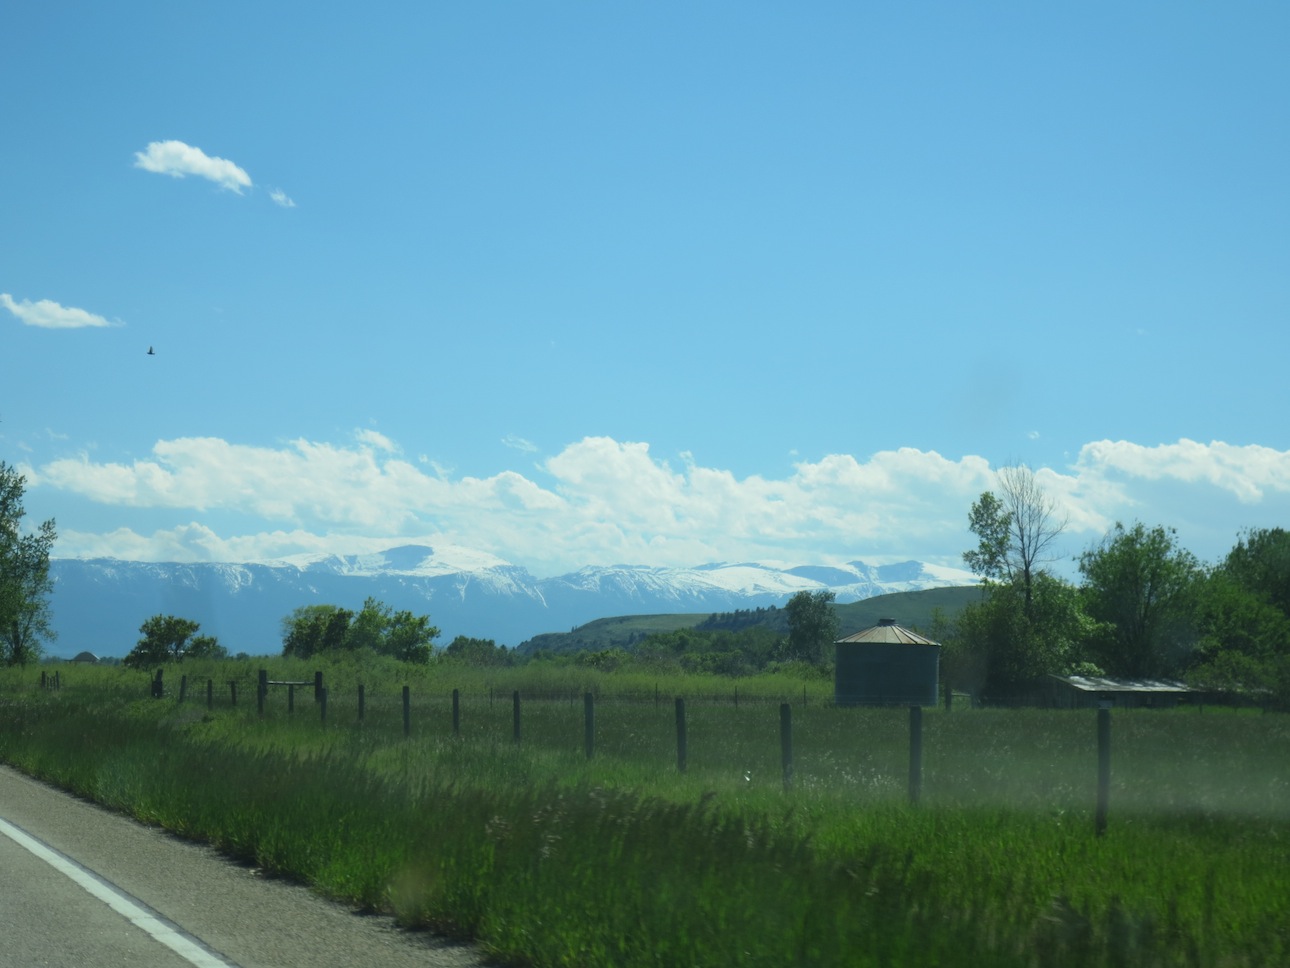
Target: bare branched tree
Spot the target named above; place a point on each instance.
(1034, 522)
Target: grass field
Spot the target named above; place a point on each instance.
(549, 858)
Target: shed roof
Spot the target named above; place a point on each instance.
(1101, 684)
(886, 632)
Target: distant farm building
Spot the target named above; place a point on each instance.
(886, 665)
(89, 658)
(1085, 692)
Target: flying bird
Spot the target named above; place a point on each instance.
(150, 352)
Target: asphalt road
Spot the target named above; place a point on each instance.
(80, 885)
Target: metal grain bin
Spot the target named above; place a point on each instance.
(886, 665)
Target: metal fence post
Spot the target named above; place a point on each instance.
(682, 751)
(1103, 769)
(915, 753)
(786, 743)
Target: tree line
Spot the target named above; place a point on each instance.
(1144, 607)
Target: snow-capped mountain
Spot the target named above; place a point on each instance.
(98, 604)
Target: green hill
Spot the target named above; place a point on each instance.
(913, 610)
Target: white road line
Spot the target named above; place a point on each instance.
(117, 900)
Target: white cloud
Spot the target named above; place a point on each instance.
(280, 198)
(602, 501)
(178, 160)
(48, 314)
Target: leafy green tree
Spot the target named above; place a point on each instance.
(1243, 618)
(314, 629)
(478, 652)
(997, 645)
(992, 524)
(1142, 587)
(812, 625)
(25, 584)
(409, 637)
(1260, 564)
(167, 638)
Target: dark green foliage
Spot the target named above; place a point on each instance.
(742, 618)
(997, 645)
(327, 629)
(1142, 587)
(25, 585)
(482, 653)
(812, 626)
(168, 638)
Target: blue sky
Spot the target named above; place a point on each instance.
(662, 284)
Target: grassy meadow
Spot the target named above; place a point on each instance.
(549, 858)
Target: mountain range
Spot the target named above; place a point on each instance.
(98, 604)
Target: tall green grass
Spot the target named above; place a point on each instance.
(547, 858)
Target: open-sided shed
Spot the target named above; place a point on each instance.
(1083, 692)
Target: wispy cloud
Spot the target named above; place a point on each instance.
(281, 198)
(178, 160)
(48, 314)
(601, 501)
(519, 443)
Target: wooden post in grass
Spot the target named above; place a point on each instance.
(210, 693)
(456, 713)
(291, 698)
(407, 711)
(44, 679)
(681, 750)
(1103, 768)
(515, 706)
(232, 690)
(261, 692)
(362, 702)
(589, 724)
(318, 686)
(183, 688)
(322, 706)
(915, 753)
(158, 690)
(786, 743)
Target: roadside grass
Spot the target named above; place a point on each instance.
(548, 858)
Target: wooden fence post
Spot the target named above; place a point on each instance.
(183, 688)
(407, 711)
(1103, 769)
(915, 753)
(456, 713)
(682, 751)
(158, 690)
(291, 698)
(362, 702)
(261, 692)
(318, 686)
(786, 743)
(589, 724)
(322, 706)
(515, 704)
(232, 690)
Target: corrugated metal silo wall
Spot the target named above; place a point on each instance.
(879, 674)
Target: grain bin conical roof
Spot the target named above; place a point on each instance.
(886, 632)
